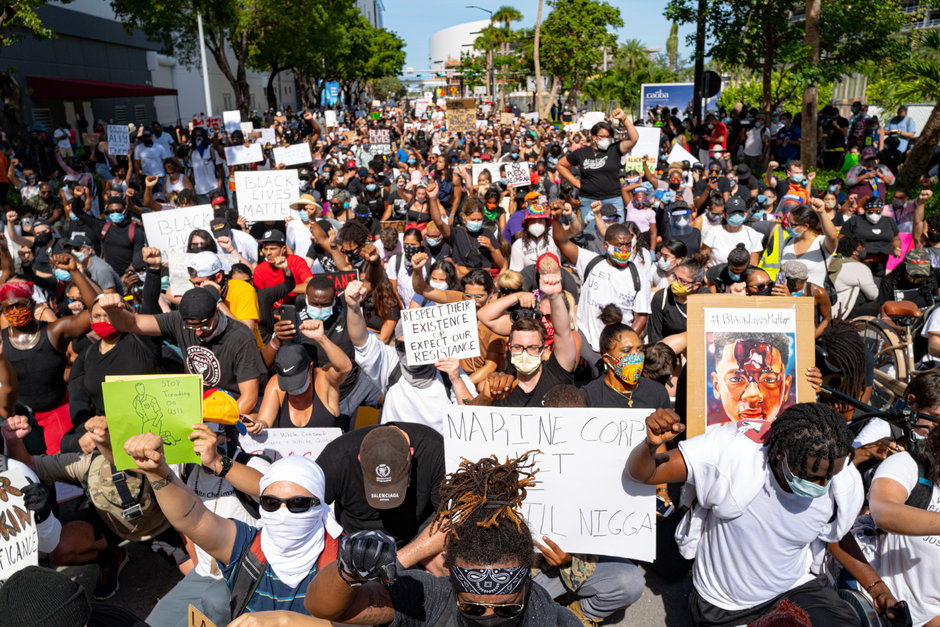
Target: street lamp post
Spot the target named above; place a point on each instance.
(491, 79)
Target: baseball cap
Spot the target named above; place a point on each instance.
(609, 210)
(292, 364)
(869, 153)
(385, 459)
(735, 204)
(917, 262)
(76, 240)
(272, 236)
(205, 264)
(218, 200)
(219, 228)
(199, 303)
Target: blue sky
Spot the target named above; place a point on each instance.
(416, 20)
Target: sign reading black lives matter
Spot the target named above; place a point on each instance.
(19, 539)
(583, 500)
(380, 141)
(432, 333)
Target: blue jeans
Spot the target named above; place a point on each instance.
(588, 216)
(616, 583)
(208, 594)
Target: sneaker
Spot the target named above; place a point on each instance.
(109, 569)
(575, 607)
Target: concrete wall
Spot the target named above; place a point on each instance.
(447, 44)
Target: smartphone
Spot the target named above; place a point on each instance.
(781, 278)
(902, 616)
(289, 312)
(663, 509)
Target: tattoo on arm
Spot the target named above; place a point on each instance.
(162, 483)
(192, 506)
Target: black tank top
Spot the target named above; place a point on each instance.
(39, 371)
(319, 417)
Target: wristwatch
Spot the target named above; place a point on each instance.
(226, 464)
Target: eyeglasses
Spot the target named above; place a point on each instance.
(295, 504)
(503, 610)
(204, 325)
(532, 350)
(682, 281)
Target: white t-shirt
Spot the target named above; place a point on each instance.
(854, 277)
(721, 242)
(164, 140)
(402, 277)
(754, 141)
(151, 158)
(205, 180)
(521, 255)
(815, 259)
(63, 137)
(910, 565)
(297, 236)
(604, 285)
(875, 430)
(245, 244)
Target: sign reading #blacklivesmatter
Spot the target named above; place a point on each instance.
(19, 539)
(432, 333)
(582, 498)
(461, 115)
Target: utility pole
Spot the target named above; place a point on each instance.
(202, 60)
(699, 65)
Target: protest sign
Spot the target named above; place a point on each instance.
(421, 107)
(293, 155)
(342, 279)
(246, 128)
(241, 155)
(648, 145)
(90, 139)
(380, 141)
(232, 120)
(214, 124)
(492, 168)
(582, 500)
(482, 124)
(591, 118)
(265, 136)
(461, 115)
(19, 540)
(506, 119)
(398, 225)
(278, 443)
(179, 269)
(518, 174)
(119, 139)
(765, 341)
(165, 405)
(330, 118)
(266, 195)
(531, 117)
(197, 618)
(680, 154)
(169, 230)
(432, 333)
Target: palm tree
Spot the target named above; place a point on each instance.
(632, 55)
(672, 46)
(918, 79)
(539, 106)
(505, 16)
(485, 42)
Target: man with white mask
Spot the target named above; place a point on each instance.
(268, 570)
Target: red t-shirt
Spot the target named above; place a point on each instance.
(266, 275)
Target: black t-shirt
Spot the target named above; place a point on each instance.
(666, 317)
(648, 395)
(721, 278)
(344, 487)
(375, 201)
(399, 205)
(552, 374)
(229, 358)
(599, 171)
(117, 246)
(467, 250)
(876, 237)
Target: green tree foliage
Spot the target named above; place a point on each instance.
(388, 87)
(672, 46)
(786, 93)
(19, 17)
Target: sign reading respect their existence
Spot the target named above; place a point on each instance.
(168, 230)
(19, 539)
(119, 139)
(432, 333)
(293, 155)
(266, 195)
(518, 174)
(277, 443)
(461, 115)
(583, 499)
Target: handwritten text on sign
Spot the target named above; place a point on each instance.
(461, 115)
(119, 141)
(277, 443)
(266, 195)
(292, 155)
(243, 155)
(518, 174)
(169, 230)
(19, 540)
(432, 333)
(583, 499)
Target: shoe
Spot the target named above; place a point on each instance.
(109, 570)
(575, 607)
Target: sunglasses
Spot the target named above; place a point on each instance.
(503, 610)
(295, 504)
(759, 287)
(205, 325)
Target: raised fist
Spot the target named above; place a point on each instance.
(367, 556)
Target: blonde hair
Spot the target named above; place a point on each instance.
(509, 281)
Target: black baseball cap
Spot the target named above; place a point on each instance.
(385, 459)
(272, 236)
(735, 204)
(199, 303)
(219, 228)
(292, 364)
(76, 240)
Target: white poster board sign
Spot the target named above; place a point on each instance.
(278, 443)
(591, 118)
(293, 155)
(232, 121)
(492, 168)
(169, 230)
(179, 269)
(19, 542)
(266, 195)
(242, 155)
(518, 174)
(432, 333)
(246, 128)
(268, 136)
(646, 145)
(583, 500)
(680, 154)
(531, 117)
(421, 107)
(119, 139)
(329, 118)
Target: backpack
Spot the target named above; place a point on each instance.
(251, 568)
(634, 274)
(923, 490)
(130, 231)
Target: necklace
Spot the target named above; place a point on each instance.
(24, 341)
(214, 567)
(628, 395)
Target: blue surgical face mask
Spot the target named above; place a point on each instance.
(474, 226)
(797, 179)
(762, 200)
(504, 181)
(411, 161)
(116, 217)
(737, 219)
(476, 160)
(800, 486)
(734, 277)
(371, 187)
(73, 217)
(432, 241)
(514, 155)
(63, 275)
(800, 293)
(319, 313)
(833, 188)
(304, 217)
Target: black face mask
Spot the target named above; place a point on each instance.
(933, 238)
(44, 238)
(465, 620)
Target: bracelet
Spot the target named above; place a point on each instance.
(278, 345)
(872, 585)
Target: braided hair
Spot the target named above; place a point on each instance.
(808, 430)
(481, 502)
(846, 351)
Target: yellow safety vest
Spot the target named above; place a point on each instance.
(770, 260)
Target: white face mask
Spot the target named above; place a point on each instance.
(873, 217)
(536, 230)
(292, 542)
(665, 265)
(438, 285)
(603, 144)
(525, 363)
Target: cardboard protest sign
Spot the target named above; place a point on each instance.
(265, 136)
(165, 405)
(330, 118)
(266, 195)
(432, 333)
(214, 124)
(277, 443)
(747, 345)
(197, 618)
(582, 500)
(342, 279)
(398, 225)
(518, 174)
(293, 155)
(169, 230)
(380, 141)
(242, 155)
(90, 139)
(506, 119)
(119, 139)
(232, 121)
(19, 539)
(179, 269)
(679, 154)
(648, 145)
(461, 115)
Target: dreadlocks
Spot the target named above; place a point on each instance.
(475, 500)
(809, 430)
(845, 351)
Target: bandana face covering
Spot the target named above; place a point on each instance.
(19, 317)
(104, 330)
(629, 367)
(491, 581)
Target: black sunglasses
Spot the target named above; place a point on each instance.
(295, 504)
(503, 610)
